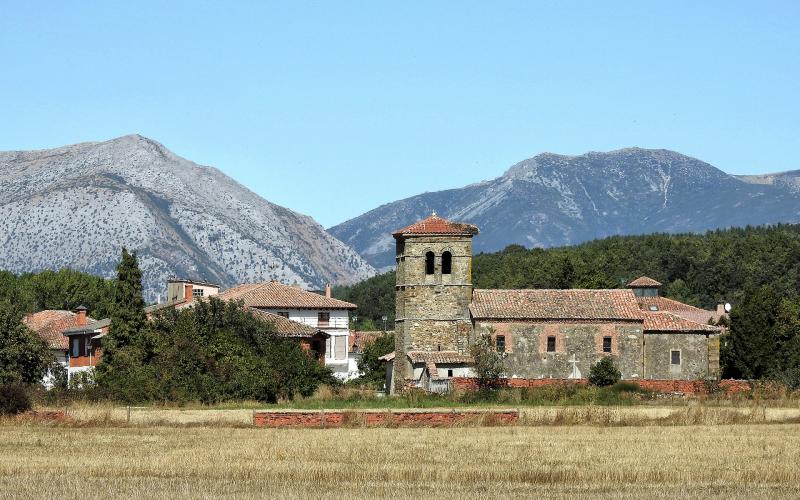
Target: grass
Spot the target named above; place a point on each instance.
(724, 461)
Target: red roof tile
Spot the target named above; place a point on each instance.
(677, 308)
(668, 322)
(274, 295)
(359, 340)
(437, 225)
(284, 327)
(644, 282)
(446, 357)
(555, 305)
(50, 325)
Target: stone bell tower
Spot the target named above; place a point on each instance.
(433, 290)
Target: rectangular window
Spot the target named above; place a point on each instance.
(606, 344)
(323, 319)
(329, 347)
(450, 373)
(675, 358)
(500, 343)
(551, 344)
(76, 347)
(197, 292)
(285, 314)
(88, 347)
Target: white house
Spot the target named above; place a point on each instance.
(315, 310)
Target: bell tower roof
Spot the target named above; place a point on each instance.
(433, 224)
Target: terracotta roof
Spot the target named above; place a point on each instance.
(359, 340)
(284, 327)
(555, 305)
(678, 308)
(447, 357)
(276, 295)
(644, 282)
(387, 357)
(50, 324)
(434, 224)
(668, 322)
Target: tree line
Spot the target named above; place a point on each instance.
(215, 351)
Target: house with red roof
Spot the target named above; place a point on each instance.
(326, 315)
(50, 325)
(543, 334)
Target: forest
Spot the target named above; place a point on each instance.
(699, 269)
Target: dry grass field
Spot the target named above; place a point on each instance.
(217, 459)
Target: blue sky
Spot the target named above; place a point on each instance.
(333, 108)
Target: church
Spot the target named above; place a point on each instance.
(544, 334)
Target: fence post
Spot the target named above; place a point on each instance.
(129, 414)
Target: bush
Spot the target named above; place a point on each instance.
(627, 387)
(13, 399)
(604, 373)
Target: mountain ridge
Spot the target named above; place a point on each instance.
(553, 200)
(77, 205)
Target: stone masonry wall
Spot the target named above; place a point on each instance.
(432, 310)
(694, 356)
(527, 356)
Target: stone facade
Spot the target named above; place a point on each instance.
(694, 361)
(527, 355)
(432, 308)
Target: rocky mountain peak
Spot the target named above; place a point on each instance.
(78, 205)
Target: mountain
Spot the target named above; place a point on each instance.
(77, 206)
(553, 200)
(787, 180)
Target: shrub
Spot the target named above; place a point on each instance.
(626, 387)
(604, 373)
(13, 399)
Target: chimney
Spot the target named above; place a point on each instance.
(721, 309)
(188, 294)
(80, 318)
(328, 290)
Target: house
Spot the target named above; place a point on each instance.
(312, 340)
(49, 325)
(182, 293)
(319, 311)
(84, 340)
(544, 334)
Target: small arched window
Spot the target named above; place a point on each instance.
(447, 263)
(429, 262)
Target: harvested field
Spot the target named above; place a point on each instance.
(726, 461)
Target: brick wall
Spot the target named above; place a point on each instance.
(409, 418)
(688, 387)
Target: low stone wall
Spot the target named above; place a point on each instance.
(687, 387)
(389, 418)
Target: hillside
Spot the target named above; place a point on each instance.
(77, 206)
(553, 200)
(700, 269)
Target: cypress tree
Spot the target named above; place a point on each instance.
(122, 371)
(128, 318)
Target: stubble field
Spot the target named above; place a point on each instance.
(97, 461)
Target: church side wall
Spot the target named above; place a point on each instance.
(527, 356)
(694, 356)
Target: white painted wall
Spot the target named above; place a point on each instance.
(339, 330)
